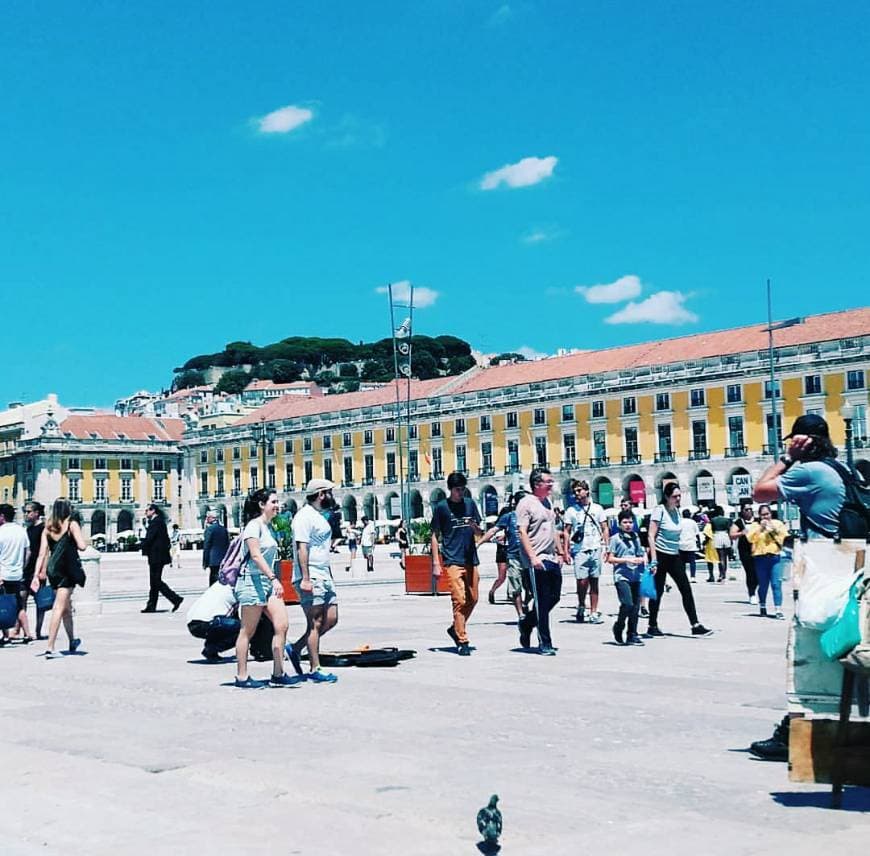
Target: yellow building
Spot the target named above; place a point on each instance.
(698, 409)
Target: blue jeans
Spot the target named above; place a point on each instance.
(769, 573)
(629, 605)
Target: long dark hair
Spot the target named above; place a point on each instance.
(821, 447)
(157, 510)
(61, 511)
(254, 503)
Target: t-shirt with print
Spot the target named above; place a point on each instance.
(589, 519)
(508, 523)
(13, 546)
(668, 536)
(367, 539)
(268, 545)
(539, 520)
(689, 535)
(622, 545)
(452, 522)
(312, 528)
(817, 490)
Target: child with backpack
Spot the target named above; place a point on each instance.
(628, 559)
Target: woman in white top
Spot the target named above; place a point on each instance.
(664, 551)
(258, 588)
(690, 535)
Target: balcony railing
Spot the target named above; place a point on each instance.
(235, 492)
(735, 452)
(391, 479)
(568, 465)
(483, 472)
(414, 476)
(767, 449)
(631, 459)
(289, 487)
(461, 471)
(203, 494)
(595, 463)
(544, 464)
(436, 475)
(219, 493)
(347, 482)
(512, 468)
(368, 481)
(664, 457)
(699, 454)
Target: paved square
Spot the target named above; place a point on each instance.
(139, 747)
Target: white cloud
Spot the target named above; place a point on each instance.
(663, 307)
(423, 296)
(523, 173)
(284, 119)
(530, 353)
(542, 234)
(624, 288)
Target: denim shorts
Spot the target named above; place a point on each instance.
(322, 593)
(587, 563)
(253, 589)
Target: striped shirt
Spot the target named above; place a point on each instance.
(668, 536)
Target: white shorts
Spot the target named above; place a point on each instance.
(587, 563)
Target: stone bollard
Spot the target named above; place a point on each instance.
(87, 601)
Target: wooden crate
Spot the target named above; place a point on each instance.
(811, 751)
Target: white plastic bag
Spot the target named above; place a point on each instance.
(824, 571)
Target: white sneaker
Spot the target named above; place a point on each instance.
(596, 618)
(753, 601)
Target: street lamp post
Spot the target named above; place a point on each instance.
(847, 411)
(774, 434)
(264, 435)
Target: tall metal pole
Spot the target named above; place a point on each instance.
(398, 398)
(406, 495)
(774, 432)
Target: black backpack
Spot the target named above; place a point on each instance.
(854, 519)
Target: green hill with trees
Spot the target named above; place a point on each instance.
(334, 363)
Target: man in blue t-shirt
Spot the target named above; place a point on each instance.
(517, 576)
(456, 522)
(801, 476)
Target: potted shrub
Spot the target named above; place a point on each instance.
(419, 578)
(283, 530)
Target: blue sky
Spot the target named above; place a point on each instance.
(177, 176)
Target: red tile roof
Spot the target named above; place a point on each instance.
(291, 406)
(107, 426)
(256, 385)
(815, 328)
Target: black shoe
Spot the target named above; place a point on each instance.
(617, 634)
(652, 631)
(525, 634)
(149, 609)
(775, 748)
(700, 630)
(580, 616)
(644, 612)
(547, 651)
(177, 604)
(463, 650)
(452, 634)
(492, 597)
(211, 655)
(634, 640)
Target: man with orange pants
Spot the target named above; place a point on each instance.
(456, 521)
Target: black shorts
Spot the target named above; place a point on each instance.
(18, 590)
(501, 555)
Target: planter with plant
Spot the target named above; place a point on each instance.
(419, 578)
(283, 529)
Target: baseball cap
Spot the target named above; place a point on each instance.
(317, 485)
(810, 424)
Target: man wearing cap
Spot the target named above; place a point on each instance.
(215, 544)
(312, 576)
(801, 476)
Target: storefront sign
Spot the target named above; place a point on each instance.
(742, 486)
(637, 492)
(704, 489)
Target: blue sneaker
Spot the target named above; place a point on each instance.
(74, 645)
(293, 656)
(320, 676)
(285, 680)
(249, 684)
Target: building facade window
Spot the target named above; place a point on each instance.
(348, 470)
(75, 493)
(699, 435)
(390, 435)
(306, 444)
(159, 493)
(126, 463)
(859, 426)
(767, 389)
(598, 409)
(270, 476)
(599, 445)
(391, 466)
(541, 451)
(513, 451)
(99, 463)
(412, 432)
(735, 432)
(459, 426)
(220, 483)
(413, 465)
(159, 465)
(308, 470)
(512, 419)
(540, 416)
(629, 405)
(289, 476)
(812, 384)
(288, 447)
(73, 464)
(369, 465)
(486, 422)
(486, 455)
(664, 438)
(733, 393)
(569, 449)
(203, 484)
(855, 379)
(203, 456)
(663, 401)
(567, 412)
(367, 437)
(237, 453)
(632, 451)
(327, 469)
(255, 478)
(126, 489)
(347, 439)
(437, 466)
(219, 455)
(461, 459)
(237, 482)
(697, 397)
(99, 490)
(435, 429)
(252, 450)
(327, 441)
